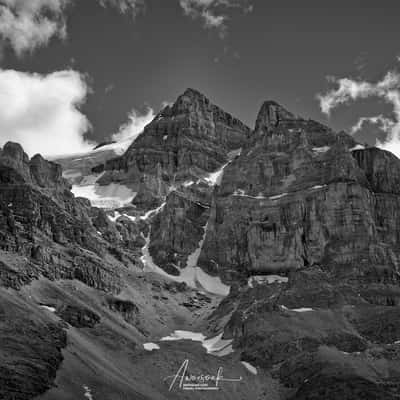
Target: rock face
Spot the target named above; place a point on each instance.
(299, 196)
(177, 230)
(79, 317)
(56, 235)
(184, 141)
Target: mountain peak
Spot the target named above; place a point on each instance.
(194, 93)
(271, 114)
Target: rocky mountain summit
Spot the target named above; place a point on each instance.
(273, 253)
(186, 140)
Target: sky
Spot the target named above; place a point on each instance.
(74, 73)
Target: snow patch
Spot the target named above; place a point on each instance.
(48, 308)
(151, 346)
(260, 279)
(278, 196)
(319, 186)
(241, 193)
(114, 217)
(299, 310)
(249, 367)
(322, 149)
(111, 196)
(234, 153)
(215, 178)
(357, 147)
(215, 346)
(151, 212)
(88, 392)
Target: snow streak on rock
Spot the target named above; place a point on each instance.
(192, 275)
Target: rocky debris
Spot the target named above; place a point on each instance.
(198, 301)
(175, 287)
(78, 316)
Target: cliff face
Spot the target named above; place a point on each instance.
(298, 196)
(184, 141)
(58, 235)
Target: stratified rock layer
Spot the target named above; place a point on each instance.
(297, 196)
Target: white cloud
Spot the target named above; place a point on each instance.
(386, 124)
(388, 89)
(41, 112)
(214, 13)
(124, 6)
(135, 125)
(29, 24)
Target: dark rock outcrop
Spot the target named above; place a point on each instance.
(78, 316)
(126, 308)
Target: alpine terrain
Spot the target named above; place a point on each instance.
(266, 261)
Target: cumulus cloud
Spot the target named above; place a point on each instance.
(29, 24)
(26, 25)
(129, 131)
(41, 112)
(214, 13)
(388, 89)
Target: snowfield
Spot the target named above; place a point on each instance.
(110, 196)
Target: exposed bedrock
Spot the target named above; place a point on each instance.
(299, 195)
(184, 141)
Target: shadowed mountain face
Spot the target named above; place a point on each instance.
(281, 244)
